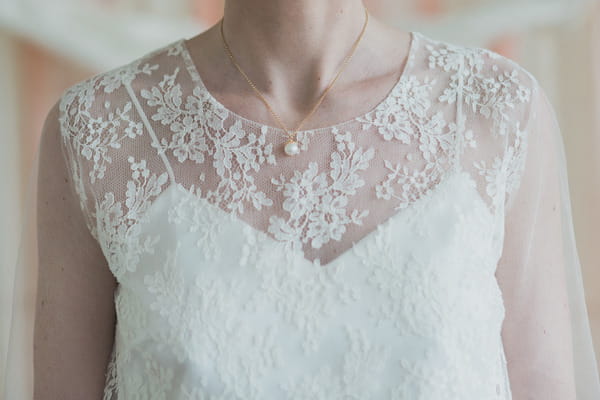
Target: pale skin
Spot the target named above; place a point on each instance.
(75, 316)
(291, 49)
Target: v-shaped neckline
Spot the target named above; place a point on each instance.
(196, 77)
(440, 187)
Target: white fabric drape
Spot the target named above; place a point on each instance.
(546, 331)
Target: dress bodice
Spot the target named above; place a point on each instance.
(221, 310)
(361, 269)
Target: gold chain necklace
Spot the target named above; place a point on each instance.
(291, 146)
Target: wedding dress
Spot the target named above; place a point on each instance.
(422, 250)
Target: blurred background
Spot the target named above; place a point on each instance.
(46, 46)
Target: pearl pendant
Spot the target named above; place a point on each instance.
(291, 148)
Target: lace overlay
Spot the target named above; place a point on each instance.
(361, 268)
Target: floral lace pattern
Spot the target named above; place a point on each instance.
(317, 206)
(208, 232)
(199, 123)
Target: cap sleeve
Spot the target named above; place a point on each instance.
(77, 151)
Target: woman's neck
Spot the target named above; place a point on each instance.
(281, 30)
(278, 42)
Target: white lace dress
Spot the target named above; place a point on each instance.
(361, 268)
